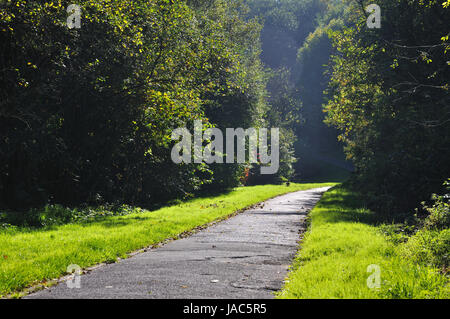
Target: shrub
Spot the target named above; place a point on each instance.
(427, 242)
(428, 247)
(439, 212)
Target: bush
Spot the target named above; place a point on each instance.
(439, 212)
(428, 247)
(397, 233)
(427, 242)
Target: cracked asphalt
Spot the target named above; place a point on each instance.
(244, 257)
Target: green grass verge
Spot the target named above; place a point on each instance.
(30, 256)
(343, 240)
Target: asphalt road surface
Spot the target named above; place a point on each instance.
(244, 257)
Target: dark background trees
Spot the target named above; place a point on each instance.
(389, 98)
(86, 114)
(384, 91)
(295, 43)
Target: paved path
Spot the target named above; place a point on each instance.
(244, 257)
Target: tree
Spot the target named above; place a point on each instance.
(389, 98)
(86, 114)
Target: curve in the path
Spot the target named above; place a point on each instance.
(244, 257)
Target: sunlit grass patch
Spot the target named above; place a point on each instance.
(342, 242)
(29, 256)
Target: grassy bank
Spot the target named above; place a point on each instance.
(343, 241)
(29, 256)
